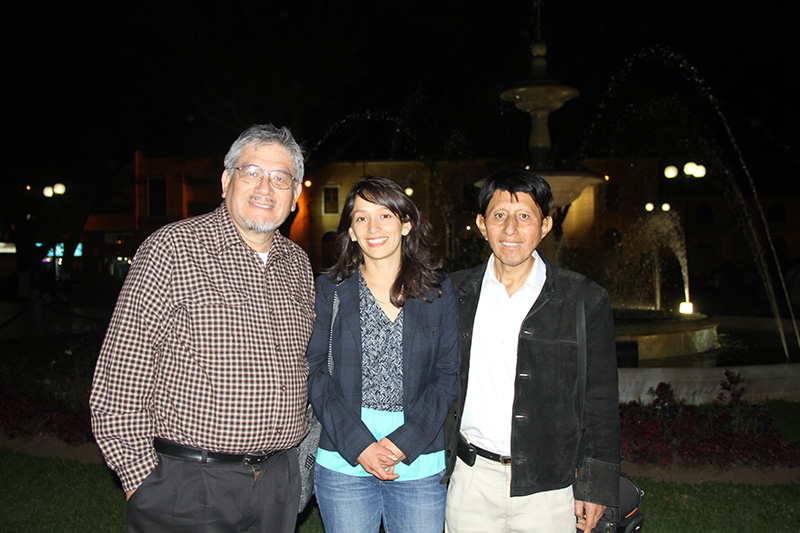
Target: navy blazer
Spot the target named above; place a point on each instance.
(430, 365)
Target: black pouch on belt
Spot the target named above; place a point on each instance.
(465, 451)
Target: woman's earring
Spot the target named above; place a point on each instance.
(354, 239)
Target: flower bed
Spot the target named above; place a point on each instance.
(729, 432)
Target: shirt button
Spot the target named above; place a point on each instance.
(283, 388)
(278, 430)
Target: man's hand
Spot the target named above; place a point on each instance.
(129, 494)
(588, 514)
(379, 461)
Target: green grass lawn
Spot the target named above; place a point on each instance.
(41, 495)
(722, 507)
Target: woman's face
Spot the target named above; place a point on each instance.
(377, 230)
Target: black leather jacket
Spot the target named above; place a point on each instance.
(546, 446)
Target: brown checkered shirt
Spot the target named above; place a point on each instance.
(206, 347)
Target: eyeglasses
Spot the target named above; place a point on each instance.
(280, 179)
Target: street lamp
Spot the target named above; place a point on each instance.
(690, 170)
(650, 207)
(50, 190)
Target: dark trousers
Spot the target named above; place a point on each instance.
(189, 496)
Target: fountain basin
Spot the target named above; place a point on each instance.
(660, 334)
(567, 185)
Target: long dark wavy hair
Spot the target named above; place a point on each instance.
(420, 273)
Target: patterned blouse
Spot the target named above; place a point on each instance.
(382, 354)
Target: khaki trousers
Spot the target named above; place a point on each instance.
(478, 501)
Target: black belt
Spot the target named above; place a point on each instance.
(504, 459)
(190, 453)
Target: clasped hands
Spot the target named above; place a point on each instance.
(379, 459)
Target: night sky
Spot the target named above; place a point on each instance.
(88, 83)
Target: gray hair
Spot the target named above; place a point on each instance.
(263, 134)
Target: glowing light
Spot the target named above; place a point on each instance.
(27, 187)
(690, 168)
(649, 206)
(686, 308)
(48, 191)
(699, 171)
(607, 177)
(469, 228)
(409, 191)
(59, 188)
(671, 172)
(665, 207)
(307, 183)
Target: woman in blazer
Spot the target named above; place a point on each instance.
(383, 363)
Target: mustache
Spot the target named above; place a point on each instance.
(261, 199)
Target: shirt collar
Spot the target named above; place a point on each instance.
(229, 235)
(537, 271)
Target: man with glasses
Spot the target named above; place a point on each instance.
(199, 394)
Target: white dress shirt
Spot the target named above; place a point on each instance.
(486, 421)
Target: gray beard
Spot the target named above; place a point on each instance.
(260, 227)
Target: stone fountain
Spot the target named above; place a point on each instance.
(647, 336)
(539, 96)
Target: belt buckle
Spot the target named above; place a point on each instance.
(253, 460)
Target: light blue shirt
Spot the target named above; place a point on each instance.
(381, 424)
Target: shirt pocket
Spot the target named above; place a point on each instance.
(217, 324)
(301, 315)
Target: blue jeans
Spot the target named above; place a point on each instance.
(354, 504)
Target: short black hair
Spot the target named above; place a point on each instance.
(516, 181)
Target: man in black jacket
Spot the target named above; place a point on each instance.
(522, 454)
